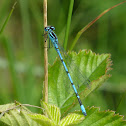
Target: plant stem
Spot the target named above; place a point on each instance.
(45, 56)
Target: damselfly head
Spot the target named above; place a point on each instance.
(49, 28)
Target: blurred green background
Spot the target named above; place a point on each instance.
(22, 50)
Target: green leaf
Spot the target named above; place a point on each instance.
(20, 116)
(53, 112)
(6, 107)
(95, 67)
(94, 118)
(105, 118)
(41, 119)
(15, 115)
(71, 119)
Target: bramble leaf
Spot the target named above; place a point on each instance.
(94, 67)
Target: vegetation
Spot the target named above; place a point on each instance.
(22, 65)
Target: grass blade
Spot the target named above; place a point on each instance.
(91, 23)
(68, 23)
(5, 23)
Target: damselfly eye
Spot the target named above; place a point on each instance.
(46, 28)
(52, 27)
